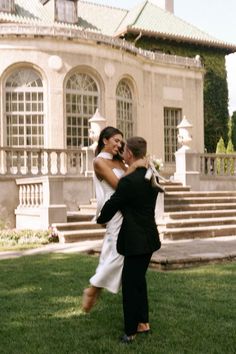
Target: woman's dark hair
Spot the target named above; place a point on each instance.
(107, 133)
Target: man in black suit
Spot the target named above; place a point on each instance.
(138, 237)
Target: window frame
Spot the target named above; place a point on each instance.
(7, 6)
(125, 108)
(66, 11)
(172, 117)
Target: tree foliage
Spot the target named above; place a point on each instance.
(233, 128)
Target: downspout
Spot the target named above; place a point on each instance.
(137, 38)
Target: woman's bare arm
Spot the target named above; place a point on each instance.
(104, 171)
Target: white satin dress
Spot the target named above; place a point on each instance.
(109, 269)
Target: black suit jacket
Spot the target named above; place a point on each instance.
(136, 199)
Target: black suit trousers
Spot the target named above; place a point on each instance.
(134, 291)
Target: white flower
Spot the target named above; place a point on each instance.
(158, 163)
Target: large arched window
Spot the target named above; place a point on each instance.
(24, 109)
(81, 103)
(124, 109)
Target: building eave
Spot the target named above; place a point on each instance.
(226, 47)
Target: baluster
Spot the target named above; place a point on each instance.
(82, 169)
(39, 162)
(58, 163)
(29, 162)
(28, 195)
(40, 194)
(208, 166)
(36, 195)
(18, 163)
(32, 195)
(49, 163)
(24, 195)
(77, 163)
(21, 196)
(8, 162)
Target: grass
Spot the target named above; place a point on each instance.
(191, 311)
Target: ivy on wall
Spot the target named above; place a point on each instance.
(215, 83)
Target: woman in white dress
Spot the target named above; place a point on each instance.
(108, 167)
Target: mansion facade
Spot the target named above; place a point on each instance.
(60, 61)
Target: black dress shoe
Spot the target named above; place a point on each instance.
(127, 339)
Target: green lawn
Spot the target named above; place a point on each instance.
(191, 311)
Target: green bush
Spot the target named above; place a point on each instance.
(230, 161)
(11, 237)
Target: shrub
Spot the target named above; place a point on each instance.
(12, 237)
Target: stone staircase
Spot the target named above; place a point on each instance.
(191, 215)
(80, 225)
(187, 215)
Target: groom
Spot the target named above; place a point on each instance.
(138, 237)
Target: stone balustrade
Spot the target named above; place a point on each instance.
(204, 171)
(38, 162)
(218, 164)
(41, 202)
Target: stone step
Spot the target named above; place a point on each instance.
(201, 214)
(81, 235)
(88, 208)
(76, 216)
(193, 207)
(197, 222)
(81, 225)
(175, 188)
(198, 232)
(196, 194)
(199, 200)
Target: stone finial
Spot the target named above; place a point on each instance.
(97, 123)
(184, 135)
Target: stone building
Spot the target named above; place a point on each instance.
(61, 60)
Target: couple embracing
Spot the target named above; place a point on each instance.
(126, 204)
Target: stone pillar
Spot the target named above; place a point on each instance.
(187, 162)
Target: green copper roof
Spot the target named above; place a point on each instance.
(153, 20)
(145, 18)
(105, 19)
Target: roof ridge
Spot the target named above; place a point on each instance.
(140, 12)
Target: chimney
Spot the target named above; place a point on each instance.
(167, 5)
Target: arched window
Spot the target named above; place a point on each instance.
(81, 103)
(124, 109)
(24, 109)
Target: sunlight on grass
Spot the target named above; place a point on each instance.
(72, 312)
(24, 290)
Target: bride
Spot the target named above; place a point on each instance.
(109, 168)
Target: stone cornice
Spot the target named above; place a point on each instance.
(28, 31)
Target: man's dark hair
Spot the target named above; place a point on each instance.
(137, 145)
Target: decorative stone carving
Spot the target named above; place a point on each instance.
(109, 70)
(55, 62)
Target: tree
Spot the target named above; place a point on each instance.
(220, 149)
(233, 128)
